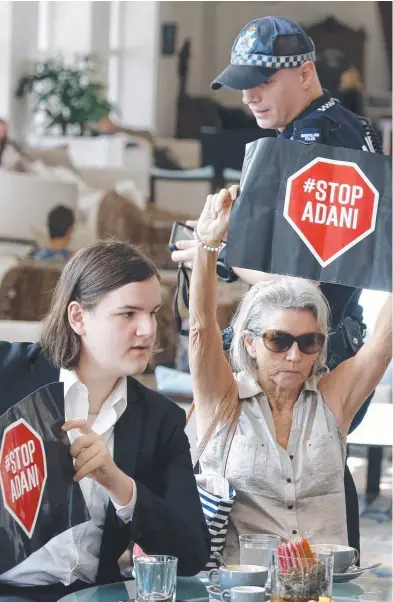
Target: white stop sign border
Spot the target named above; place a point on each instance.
(14, 516)
(300, 233)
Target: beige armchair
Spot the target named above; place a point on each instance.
(26, 200)
(148, 228)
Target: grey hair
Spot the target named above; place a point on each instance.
(260, 301)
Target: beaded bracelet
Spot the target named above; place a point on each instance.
(206, 247)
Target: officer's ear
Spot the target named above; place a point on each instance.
(308, 74)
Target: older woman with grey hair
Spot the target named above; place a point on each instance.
(283, 418)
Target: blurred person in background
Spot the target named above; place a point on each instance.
(61, 222)
(12, 158)
(351, 90)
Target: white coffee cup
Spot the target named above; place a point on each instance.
(344, 556)
(234, 575)
(244, 593)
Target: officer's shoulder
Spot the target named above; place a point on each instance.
(345, 116)
(334, 127)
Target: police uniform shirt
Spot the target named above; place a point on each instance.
(326, 121)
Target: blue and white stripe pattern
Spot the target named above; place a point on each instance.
(273, 62)
(216, 511)
(328, 105)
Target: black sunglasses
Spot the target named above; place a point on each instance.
(279, 341)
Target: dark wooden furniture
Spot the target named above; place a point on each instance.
(338, 47)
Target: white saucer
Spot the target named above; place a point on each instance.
(215, 593)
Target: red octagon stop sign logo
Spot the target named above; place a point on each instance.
(332, 205)
(23, 473)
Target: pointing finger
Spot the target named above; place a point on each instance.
(77, 423)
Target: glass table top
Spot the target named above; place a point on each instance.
(191, 589)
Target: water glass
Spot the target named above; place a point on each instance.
(297, 579)
(258, 548)
(155, 578)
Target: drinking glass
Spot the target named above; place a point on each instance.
(258, 549)
(155, 578)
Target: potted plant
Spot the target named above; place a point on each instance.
(65, 94)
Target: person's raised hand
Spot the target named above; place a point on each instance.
(213, 223)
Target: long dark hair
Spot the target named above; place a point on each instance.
(92, 273)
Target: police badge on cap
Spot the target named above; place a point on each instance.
(245, 41)
(262, 48)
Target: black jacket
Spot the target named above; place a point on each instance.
(151, 447)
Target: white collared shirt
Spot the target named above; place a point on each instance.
(74, 554)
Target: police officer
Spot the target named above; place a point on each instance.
(273, 64)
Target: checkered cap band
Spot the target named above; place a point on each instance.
(274, 62)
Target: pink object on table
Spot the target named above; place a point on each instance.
(137, 551)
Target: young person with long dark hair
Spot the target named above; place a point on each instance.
(131, 454)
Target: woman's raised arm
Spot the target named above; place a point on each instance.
(211, 372)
